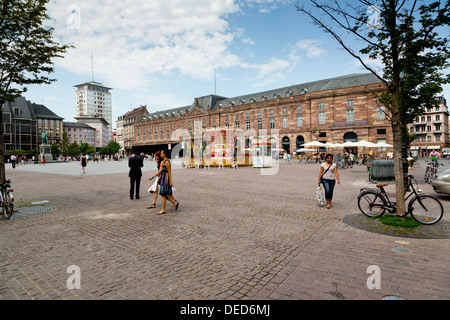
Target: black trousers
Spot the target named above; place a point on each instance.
(135, 181)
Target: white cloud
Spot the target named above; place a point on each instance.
(311, 48)
(131, 43)
(135, 45)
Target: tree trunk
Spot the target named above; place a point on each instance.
(2, 148)
(398, 160)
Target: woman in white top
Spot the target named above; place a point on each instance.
(328, 176)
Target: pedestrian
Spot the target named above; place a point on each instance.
(434, 155)
(13, 161)
(157, 158)
(328, 176)
(83, 162)
(166, 183)
(135, 163)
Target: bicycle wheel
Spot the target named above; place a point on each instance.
(8, 205)
(428, 176)
(426, 209)
(372, 204)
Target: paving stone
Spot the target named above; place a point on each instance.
(237, 235)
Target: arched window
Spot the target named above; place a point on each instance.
(299, 142)
(350, 136)
(286, 144)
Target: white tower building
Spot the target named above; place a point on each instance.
(94, 100)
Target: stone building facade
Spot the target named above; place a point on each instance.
(332, 110)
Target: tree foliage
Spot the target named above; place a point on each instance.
(113, 147)
(27, 50)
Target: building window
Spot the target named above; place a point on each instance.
(271, 113)
(236, 124)
(299, 121)
(285, 122)
(381, 141)
(381, 115)
(237, 117)
(349, 103)
(299, 109)
(350, 116)
(321, 105)
(259, 124)
(247, 116)
(226, 118)
(272, 123)
(438, 137)
(322, 117)
(383, 131)
(259, 114)
(248, 125)
(284, 110)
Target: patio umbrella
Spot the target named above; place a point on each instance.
(331, 145)
(349, 144)
(383, 145)
(314, 144)
(305, 150)
(367, 144)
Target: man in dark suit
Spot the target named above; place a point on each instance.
(135, 163)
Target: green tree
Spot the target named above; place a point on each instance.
(73, 149)
(26, 52)
(86, 148)
(64, 143)
(406, 38)
(55, 150)
(113, 147)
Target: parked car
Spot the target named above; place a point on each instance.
(441, 182)
(445, 153)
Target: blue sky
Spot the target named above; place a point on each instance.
(162, 53)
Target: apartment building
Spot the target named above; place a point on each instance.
(431, 129)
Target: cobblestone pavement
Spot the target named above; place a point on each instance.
(237, 235)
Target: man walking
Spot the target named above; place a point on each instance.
(434, 156)
(135, 163)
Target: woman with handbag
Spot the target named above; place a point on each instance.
(155, 187)
(165, 183)
(328, 176)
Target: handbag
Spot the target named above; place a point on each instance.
(165, 190)
(152, 189)
(319, 195)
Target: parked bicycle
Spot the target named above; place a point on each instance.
(423, 208)
(7, 198)
(344, 163)
(431, 170)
